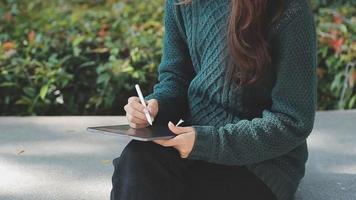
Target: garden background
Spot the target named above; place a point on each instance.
(83, 57)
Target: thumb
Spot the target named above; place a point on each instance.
(179, 130)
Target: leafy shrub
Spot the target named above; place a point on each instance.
(336, 28)
(83, 57)
(76, 58)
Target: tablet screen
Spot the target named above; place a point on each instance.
(145, 134)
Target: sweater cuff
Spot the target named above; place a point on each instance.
(166, 112)
(203, 148)
(161, 112)
(150, 96)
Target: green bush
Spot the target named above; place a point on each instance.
(336, 28)
(61, 58)
(83, 57)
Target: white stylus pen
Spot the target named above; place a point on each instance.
(148, 117)
(180, 121)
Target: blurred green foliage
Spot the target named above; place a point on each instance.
(336, 29)
(76, 57)
(83, 57)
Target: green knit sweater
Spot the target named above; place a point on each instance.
(265, 127)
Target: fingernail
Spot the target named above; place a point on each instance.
(170, 123)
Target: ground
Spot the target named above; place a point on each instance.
(50, 158)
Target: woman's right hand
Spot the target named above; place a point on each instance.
(135, 112)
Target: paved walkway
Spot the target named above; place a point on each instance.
(55, 158)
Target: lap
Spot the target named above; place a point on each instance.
(147, 163)
(214, 181)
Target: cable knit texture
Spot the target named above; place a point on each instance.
(263, 127)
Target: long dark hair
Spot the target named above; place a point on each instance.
(247, 37)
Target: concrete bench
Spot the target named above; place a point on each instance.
(47, 158)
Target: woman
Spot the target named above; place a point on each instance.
(242, 74)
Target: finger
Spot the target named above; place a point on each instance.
(136, 126)
(183, 155)
(152, 106)
(133, 112)
(160, 142)
(168, 143)
(137, 106)
(139, 114)
(133, 99)
(178, 129)
(134, 119)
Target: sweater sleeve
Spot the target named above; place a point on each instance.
(288, 121)
(175, 71)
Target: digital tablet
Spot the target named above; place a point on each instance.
(143, 134)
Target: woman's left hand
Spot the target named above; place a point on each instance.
(183, 142)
